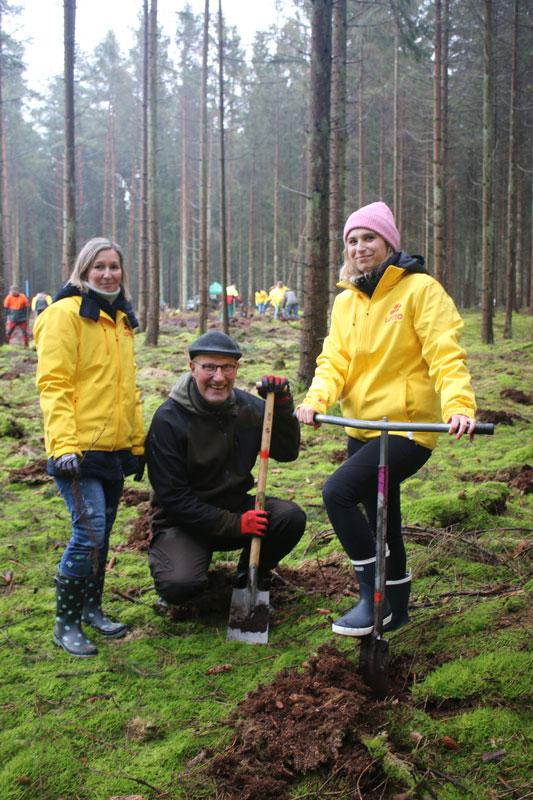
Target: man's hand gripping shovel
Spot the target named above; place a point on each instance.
(249, 610)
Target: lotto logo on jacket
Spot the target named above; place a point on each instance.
(394, 314)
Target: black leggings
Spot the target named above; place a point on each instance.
(356, 482)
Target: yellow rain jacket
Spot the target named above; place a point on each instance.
(395, 354)
(86, 381)
(276, 295)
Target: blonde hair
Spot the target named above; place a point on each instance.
(87, 256)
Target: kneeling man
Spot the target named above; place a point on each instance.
(201, 447)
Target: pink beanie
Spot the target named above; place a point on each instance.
(376, 217)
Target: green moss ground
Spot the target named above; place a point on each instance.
(128, 721)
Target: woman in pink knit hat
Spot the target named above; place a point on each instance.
(392, 350)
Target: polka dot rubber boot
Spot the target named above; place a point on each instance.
(68, 634)
(92, 608)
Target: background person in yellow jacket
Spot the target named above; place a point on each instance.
(392, 350)
(93, 427)
(275, 298)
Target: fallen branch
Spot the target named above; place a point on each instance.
(450, 778)
(126, 596)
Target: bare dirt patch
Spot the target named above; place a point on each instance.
(140, 533)
(300, 723)
(329, 578)
(518, 396)
(135, 497)
(520, 478)
(497, 417)
(33, 474)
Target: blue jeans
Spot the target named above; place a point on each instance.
(93, 505)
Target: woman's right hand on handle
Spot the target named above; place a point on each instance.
(306, 414)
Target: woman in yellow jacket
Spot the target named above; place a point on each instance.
(392, 350)
(93, 427)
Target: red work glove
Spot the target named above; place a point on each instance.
(278, 385)
(254, 522)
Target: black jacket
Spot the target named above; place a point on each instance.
(200, 457)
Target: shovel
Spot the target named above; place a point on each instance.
(374, 652)
(249, 610)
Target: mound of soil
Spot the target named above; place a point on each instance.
(337, 456)
(300, 723)
(328, 577)
(523, 481)
(135, 497)
(518, 396)
(33, 474)
(497, 417)
(140, 534)
(520, 478)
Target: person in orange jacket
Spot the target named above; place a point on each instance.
(17, 308)
(392, 350)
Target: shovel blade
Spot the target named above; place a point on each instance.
(248, 620)
(374, 663)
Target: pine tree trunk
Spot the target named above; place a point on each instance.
(142, 287)
(112, 176)
(6, 211)
(275, 236)
(223, 230)
(317, 216)
(361, 133)
(531, 248)
(337, 179)
(3, 282)
(252, 276)
(510, 273)
(152, 322)
(519, 253)
(69, 172)
(202, 235)
(381, 166)
(487, 221)
(184, 211)
(131, 218)
(105, 192)
(437, 146)
(447, 258)
(395, 124)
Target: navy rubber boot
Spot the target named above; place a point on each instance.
(397, 593)
(92, 608)
(359, 620)
(68, 634)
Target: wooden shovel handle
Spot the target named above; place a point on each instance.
(266, 435)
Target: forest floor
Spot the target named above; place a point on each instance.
(173, 711)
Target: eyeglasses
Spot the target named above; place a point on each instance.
(210, 369)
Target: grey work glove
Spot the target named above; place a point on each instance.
(68, 465)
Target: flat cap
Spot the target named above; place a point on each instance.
(216, 343)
